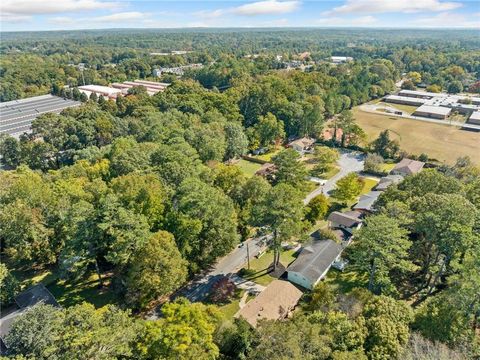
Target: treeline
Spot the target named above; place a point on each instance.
(32, 67)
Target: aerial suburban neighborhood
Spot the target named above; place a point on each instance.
(246, 180)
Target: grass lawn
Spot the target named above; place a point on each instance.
(328, 175)
(268, 156)
(347, 280)
(368, 184)
(387, 167)
(260, 266)
(72, 293)
(248, 168)
(68, 293)
(440, 142)
(230, 309)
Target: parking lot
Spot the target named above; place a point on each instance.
(16, 116)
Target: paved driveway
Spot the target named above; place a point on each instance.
(349, 161)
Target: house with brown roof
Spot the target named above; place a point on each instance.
(348, 221)
(407, 167)
(276, 302)
(267, 170)
(302, 145)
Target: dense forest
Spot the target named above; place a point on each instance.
(143, 192)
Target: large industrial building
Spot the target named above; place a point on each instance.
(438, 105)
(436, 112)
(120, 89)
(16, 116)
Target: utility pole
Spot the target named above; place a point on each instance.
(248, 256)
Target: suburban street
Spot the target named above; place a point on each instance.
(198, 289)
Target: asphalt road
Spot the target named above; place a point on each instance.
(16, 116)
(199, 288)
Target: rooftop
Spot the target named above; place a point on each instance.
(438, 110)
(273, 303)
(316, 258)
(366, 201)
(348, 219)
(388, 180)
(408, 166)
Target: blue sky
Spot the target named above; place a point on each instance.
(34, 15)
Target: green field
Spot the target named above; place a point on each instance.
(441, 142)
(248, 168)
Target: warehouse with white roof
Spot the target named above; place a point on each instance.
(436, 112)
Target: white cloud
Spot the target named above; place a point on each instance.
(445, 19)
(386, 6)
(123, 16)
(267, 7)
(39, 7)
(348, 22)
(12, 18)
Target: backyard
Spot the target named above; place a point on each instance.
(248, 167)
(441, 142)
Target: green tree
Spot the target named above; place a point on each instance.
(381, 249)
(348, 187)
(186, 331)
(455, 87)
(204, 222)
(10, 151)
(237, 141)
(290, 170)
(373, 163)
(387, 321)
(269, 130)
(282, 212)
(384, 146)
(9, 286)
(317, 208)
(157, 269)
(325, 158)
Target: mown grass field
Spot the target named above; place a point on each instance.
(441, 142)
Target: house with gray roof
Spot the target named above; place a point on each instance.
(348, 221)
(387, 181)
(313, 263)
(37, 294)
(367, 201)
(407, 167)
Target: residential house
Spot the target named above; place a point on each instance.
(276, 302)
(407, 167)
(37, 294)
(348, 221)
(313, 262)
(387, 181)
(302, 145)
(267, 170)
(366, 202)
